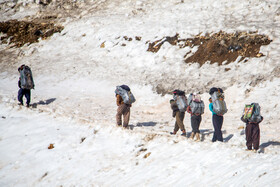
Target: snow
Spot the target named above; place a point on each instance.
(74, 102)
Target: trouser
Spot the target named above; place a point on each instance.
(179, 124)
(217, 123)
(26, 93)
(252, 132)
(195, 123)
(123, 110)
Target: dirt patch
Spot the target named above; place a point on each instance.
(219, 47)
(19, 33)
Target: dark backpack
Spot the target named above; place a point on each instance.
(125, 87)
(179, 92)
(26, 79)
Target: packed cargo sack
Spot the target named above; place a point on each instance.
(248, 111)
(125, 93)
(181, 100)
(26, 79)
(252, 113)
(219, 104)
(196, 104)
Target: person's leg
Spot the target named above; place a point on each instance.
(195, 121)
(27, 94)
(126, 116)
(220, 120)
(197, 132)
(193, 127)
(180, 120)
(20, 95)
(248, 132)
(215, 128)
(256, 136)
(119, 114)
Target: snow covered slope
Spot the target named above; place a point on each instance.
(74, 108)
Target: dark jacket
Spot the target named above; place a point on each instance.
(174, 108)
(19, 83)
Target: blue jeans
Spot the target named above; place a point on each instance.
(26, 93)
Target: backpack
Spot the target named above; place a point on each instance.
(196, 104)
(252, 112)
(26, 79)
(181, 100)
(219, 104)
(248, 111)
(125, 93)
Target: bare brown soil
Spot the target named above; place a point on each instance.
(19, 33)
(219, 47)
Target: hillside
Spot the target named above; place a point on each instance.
(79, 51)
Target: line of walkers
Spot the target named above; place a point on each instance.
(195, 106)
(179, 105)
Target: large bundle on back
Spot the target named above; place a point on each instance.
(218, 100)
(26, 79)
(126, 94)
(252, 112)
(196, 104)
(181, 100)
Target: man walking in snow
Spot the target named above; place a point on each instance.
(217, 121)
(179, 124)
(25, 85)
(195, 115)
(252, 132)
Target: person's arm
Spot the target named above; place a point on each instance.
(119, 100)
(19, 83)
(261, 119)
(244, 120)
(189, 110)
(211, 107)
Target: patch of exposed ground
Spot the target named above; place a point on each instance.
(18, 33)
(218, 47)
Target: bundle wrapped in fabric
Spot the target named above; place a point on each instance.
(196, 104)
(218, 100)
(26, 78)
(181, 100)
(125, 93)
(252, 112)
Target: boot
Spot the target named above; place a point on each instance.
(184, 133)
(197, 137)
(173, 133)
(192, 136)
